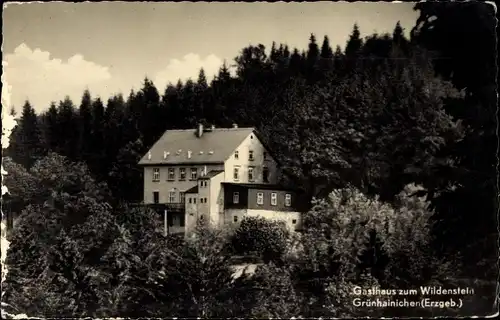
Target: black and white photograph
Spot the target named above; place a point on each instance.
(250, 160)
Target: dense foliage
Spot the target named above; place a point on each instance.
(262, 237)
(356, 129)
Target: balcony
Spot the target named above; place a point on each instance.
(175, 206)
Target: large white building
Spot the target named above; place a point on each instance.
(217, 174)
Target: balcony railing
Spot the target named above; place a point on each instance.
(175, 206)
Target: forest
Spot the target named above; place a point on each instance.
(394, 140)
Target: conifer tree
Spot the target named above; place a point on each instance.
(27, 144)
(354, 43)
(50, 128)
(326, 49)
(84, 126)
(68, 129)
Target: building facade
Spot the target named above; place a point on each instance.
(198, 174)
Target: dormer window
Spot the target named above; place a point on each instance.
(250, 155)
(182, 174)
(236, 155)
(194, 173)
(265, 155)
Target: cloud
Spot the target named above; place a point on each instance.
(188, 67)
(34, 75)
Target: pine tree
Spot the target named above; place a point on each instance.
(354, 43)
(68, 129)
(26, 145)
(97, 162)
(295, 61)
(84, 127)
(151, 119)
(312, 52)
(50, 128)
(326, 49)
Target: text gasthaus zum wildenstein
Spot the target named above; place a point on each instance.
(377, 297)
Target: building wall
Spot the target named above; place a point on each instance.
(216, 199)
(175, 219)
(229, 215)
(203, 207)
(280, 203)
(229, 191)
(292, 219)
(191, 211)
(254, 144)
(164, 186)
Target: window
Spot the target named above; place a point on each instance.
(250, 174)
(182, 174)
(235, 218)
(288, 200)
(171, 174)
(236, 197)
(236, 155)
(274, 198)
(260, 198)
(201, 200)
(205, 200)
(194, 200)
(171, 197)
(250, 155)
(265, 174)
(190, 200)
(156, 174)
(236, 174)
(294, 221)
(182, 197)
(265, 155)
(194, 173)
(156, 197)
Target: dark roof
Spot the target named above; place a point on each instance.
(262, 186)
(210, 174)
(216, 146)
(192, 190)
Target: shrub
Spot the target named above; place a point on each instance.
(257, 235)
(351, 239)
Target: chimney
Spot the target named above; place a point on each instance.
(189, 154)
(165, 154)
(235, 125)
(199, 132)
(149, 155)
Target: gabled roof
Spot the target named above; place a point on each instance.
(214, 146)
(210, 174)
(192, 190)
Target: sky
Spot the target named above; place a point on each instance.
(55, 49)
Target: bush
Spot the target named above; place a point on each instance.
(351, 239)
(260, 236)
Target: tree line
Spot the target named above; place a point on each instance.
(384, 112)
